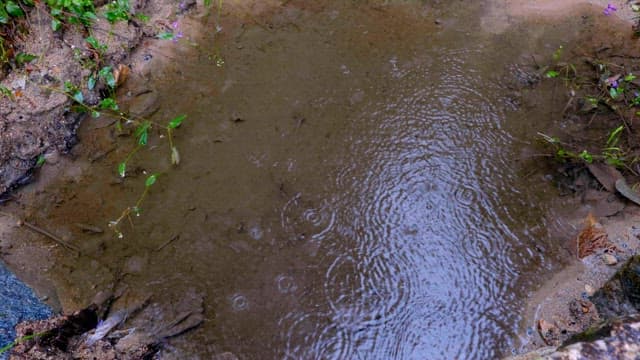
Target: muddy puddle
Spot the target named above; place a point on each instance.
(356, 182)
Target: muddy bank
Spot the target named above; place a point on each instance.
(606, 211)
(40, 122)
(39, 119)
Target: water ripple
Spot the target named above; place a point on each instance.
(313, 336)
(306, 221)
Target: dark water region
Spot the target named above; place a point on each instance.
(352, 186)
(17, 303)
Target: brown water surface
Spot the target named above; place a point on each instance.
(352, 185)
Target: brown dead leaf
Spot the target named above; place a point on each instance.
(593, 238)
(549, 332)
(121, 73)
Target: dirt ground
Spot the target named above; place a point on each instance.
(606, 215)
(37, 121)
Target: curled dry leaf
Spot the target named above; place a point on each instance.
(549, 332)
(121, 73)
(592, 238)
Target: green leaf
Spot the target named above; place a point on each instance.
(91, 82)
(107, 75)
(142, 132)
(613, 93)
(4, 91)
(14, 9)
(557, 54)
(142, 17)
(629, 77)
(4, 17)
(68, 86)
(614, 136)
(23, 58)
(28, 2)
(176, 122)
(41, 160)
(142, 140)
(104, 71)
(151, 180)
(95, 114)
(165, 35)
(551, 74)
(586, 156)
(55, 24)
(122, 168)
(94, 43)
(108, 103)
(89, 15)
(77, 96)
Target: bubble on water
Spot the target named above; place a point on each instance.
(256, 232)
(239, 302)
(286, 284)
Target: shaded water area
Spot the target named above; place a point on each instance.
(352, 186)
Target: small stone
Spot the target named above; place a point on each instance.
(549, 332)
(609, 259)
(589, 289)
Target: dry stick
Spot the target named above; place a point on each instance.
(41, 231)
(168, 242)
(44, 232)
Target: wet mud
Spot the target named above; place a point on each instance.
(355, 182)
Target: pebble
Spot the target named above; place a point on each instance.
(609, 259)
(589, 289)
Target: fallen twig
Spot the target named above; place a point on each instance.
(167, 242)
(41, 231)
(44, 232)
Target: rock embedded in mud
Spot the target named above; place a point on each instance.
(621, 294)
(549, 332)
(614, 339)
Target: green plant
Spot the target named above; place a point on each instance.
(611, 153)
(117, 10)
(135, 209)
(142, 135)
(12, 9)
(72, 11)
(9, 346)
(557, 68)
(4, 91)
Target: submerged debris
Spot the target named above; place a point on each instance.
(593, 239)
(134, 333)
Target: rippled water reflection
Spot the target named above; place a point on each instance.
(373, 187)
(349, 188)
